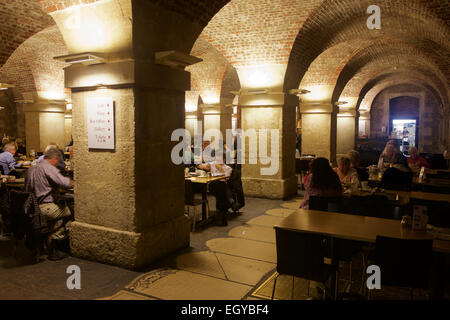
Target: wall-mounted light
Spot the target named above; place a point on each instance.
(86, 58)
(175, 59)
(24, 101)
(2, 108)
(298, 92)
(5, 86)
(254, 92)
(340, 103)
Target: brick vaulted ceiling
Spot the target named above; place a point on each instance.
(322, 41)
(20, 19)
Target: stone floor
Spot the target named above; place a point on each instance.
(222, 263)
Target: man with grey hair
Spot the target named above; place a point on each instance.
(45, 181)
(7, 158)
(61, 165)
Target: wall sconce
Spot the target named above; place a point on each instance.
(175, 59)
(254, 92)
(340, 103)
(298, 92)
(5, 86)
(86, 58)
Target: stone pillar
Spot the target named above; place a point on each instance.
(269, 112)
(44, 123)
(129, 203)
(363, 117)
(218, 117)
(346, 131)
(319, 130)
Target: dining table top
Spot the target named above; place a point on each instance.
(353, 227)
(205, 180)
(405, 196)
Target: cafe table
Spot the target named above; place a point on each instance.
(204, 182)
(360, 228)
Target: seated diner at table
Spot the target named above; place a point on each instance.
(388, 153)
(415, 161)
(398, 174)
(61, 165)
(322, 182)
(347, 175)
(45, 181)
(220, 188)
(7, 162)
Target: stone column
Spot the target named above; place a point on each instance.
(269, 112)
(363, 117)
(44, 123)
(218, 117)
(346, 131)
(319, 129)
(129, 202)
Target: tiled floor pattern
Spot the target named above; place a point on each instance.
(238, 265)
(229, 270)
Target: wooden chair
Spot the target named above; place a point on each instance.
(301, 255)
(190, 201)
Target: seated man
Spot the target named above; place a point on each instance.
(61, 165)
(7, 159)
(44, 180)
(220, 189)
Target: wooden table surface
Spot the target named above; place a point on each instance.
(205, 180)
(352, 227)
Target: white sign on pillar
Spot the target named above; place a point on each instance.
(100, 118)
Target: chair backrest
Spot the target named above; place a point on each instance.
(301, 165)
(404, 262)
(438, 211)
(188, 193)
(331, 204)
(300, 254)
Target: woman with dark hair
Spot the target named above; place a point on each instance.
(399, 175)
(322, 182)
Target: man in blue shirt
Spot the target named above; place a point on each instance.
(7, 161)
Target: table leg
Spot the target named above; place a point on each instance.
(334, 262)
(204, 197)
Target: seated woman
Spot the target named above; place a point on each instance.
(415, 161)
(388, 153)
(399, 175)
(347, 174)
(322, 182)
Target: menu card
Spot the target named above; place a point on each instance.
(100, 123)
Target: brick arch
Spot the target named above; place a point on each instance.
(32, 68)
(372, 88)
(387, 65)
(336, 21)
(207, 76)
(19, 21)
(257, 32)
(199, 11)
(372, 59)
(370, 95)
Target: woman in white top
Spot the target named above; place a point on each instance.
(347, 174)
